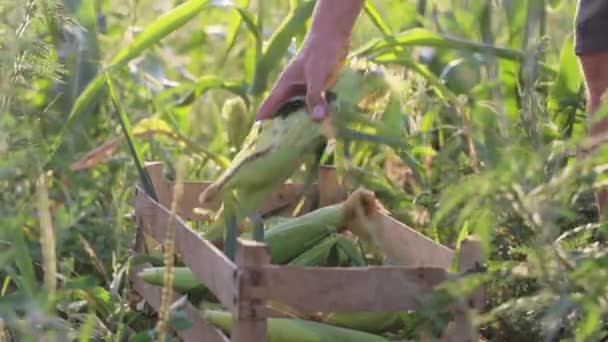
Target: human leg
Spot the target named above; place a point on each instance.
(591, 46)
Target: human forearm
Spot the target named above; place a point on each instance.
(335, 19)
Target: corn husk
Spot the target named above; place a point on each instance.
(296, 330)
(275, 149)
(372, 322)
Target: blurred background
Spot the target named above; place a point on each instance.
(483, 142)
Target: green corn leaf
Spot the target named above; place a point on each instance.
(424, 37)
(564, 94)
(133, 147)
(278, 44)
(251, 22)
(184, 94)
(25, 264)
(373, 14)
(235, 28)
(154, 33)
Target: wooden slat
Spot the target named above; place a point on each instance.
(463, 327)
(201, 330)
(471, 257)
(192, 190)
(286, 196)
(407, 247)
(249, 315)
(210, 265)
(334, 289)
(330, 190)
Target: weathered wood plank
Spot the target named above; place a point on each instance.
(407, 247)
(330, 190)
(463, 328)
(201, 330)
(353, 289)
(249, 315)
(286, 196)
(210, 265)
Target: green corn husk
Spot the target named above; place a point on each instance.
(318, 255)
(184, 279)
(348, 248)
(271, 153)
(275, 149)
(371, 322)
(296, 330)
(291, 238)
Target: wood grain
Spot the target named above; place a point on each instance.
(353, 289)
(330, 190)
(209, 264)
(405, 246)
(286, 197)
(249, 315)
(201, 330)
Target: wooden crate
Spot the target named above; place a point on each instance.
(244, 286)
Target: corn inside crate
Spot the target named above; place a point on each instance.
(247, 287)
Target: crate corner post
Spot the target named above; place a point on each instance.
(463, 328)
(249, 313)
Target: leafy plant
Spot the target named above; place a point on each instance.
(480, 135)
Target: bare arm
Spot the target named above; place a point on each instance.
(336, 17)
(315, 66)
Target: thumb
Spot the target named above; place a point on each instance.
(315, 101)
(272, 103)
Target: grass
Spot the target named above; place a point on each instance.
(481, 140)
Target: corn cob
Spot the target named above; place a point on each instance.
(291, 238)
(317, 255)
(350, 251)
(296, 330)
(372, 322)
(271, 153)
(184, 279)
(274, 149)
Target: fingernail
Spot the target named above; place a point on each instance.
(318, 112)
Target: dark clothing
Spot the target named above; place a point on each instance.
(591, 27)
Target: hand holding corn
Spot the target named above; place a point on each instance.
(276, 148)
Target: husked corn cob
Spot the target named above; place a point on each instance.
(184, 279)
(296, 330)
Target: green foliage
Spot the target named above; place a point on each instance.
(477, 136)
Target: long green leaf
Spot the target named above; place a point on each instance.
(154, 33)
(133, 147)
(234, 30)
(374, 16)
(278, 44)
(424, 37)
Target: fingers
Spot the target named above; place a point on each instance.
(289, 84)
(319, 76)
(315, 100)
(277, 98)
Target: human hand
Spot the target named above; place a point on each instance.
(316, 65)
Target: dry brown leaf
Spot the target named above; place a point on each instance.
(106, 150)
